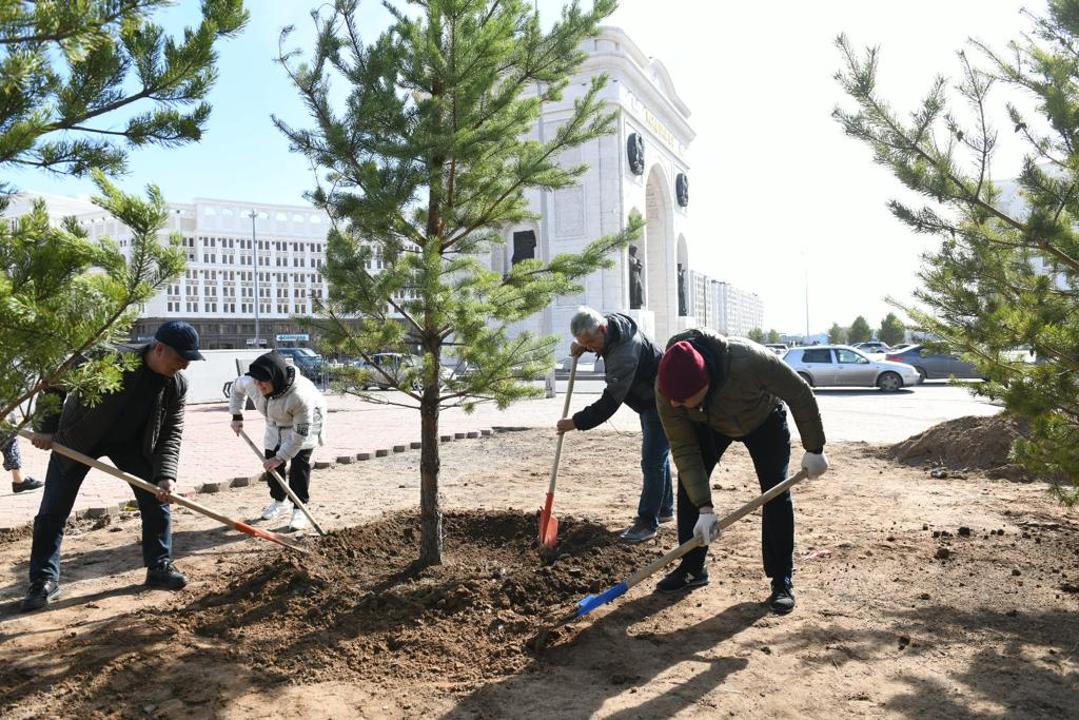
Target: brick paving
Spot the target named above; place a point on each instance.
(212, 454)
(362, 431)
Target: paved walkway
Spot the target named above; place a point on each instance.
(211, 453)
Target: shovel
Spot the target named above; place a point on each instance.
(151, 488)
(592, 602)
(548, 524)
(284, 485)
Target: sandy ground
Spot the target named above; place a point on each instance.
(917, 597)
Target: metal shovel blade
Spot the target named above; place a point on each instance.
(548, 524)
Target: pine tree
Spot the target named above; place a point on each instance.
(63, 295)
(69, 69)
(892, 331)
(425, 161)
(756, 335)
(1003, 276)
(859, 331)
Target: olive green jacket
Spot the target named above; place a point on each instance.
(748, 381)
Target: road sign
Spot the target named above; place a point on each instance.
(294, 337)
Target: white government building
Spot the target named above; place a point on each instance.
(640, 168)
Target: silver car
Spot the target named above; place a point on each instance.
(843, 366)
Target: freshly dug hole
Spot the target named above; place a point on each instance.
(359, 608)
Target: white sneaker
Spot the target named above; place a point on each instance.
(298, 521)
(273, 509)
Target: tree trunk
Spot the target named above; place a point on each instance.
(430, 464)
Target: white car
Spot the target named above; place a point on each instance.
(843, 366)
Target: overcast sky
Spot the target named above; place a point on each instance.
(778, 192)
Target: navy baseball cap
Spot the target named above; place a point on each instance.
(181, 337)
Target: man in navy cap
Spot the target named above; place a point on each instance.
(138, 427)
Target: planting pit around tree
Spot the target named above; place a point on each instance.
(360, 607)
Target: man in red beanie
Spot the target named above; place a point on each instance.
(711, 391)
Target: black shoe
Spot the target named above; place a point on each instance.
(638, 532)
(27, 484)
(165, 575)
(40, 594)
(666, 518)
(781, 601)
(682, 579)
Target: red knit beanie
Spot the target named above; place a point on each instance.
(682, 372)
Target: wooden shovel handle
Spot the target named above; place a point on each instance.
(562, 436)
(724, 523)
(178, 499)
(284, 485)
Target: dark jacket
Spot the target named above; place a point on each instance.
(747, 382)
(631, 361)
(82, 428)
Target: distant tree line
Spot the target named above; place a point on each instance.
(891, 332)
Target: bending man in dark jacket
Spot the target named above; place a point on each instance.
(630, 362)
(138, 428)
(711, 391)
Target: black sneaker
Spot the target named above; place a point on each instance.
(781, 601)
(638, 532)
(681, 579)
(40, 594)
(663, 519)
(27, 484)
(165, 575)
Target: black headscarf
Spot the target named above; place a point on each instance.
(273, 367)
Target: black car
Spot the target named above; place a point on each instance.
(306, 360)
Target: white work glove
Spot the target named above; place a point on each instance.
(707, 528)
(815, 463)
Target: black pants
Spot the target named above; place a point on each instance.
(298, 474)
(770, 448)
(62, 482)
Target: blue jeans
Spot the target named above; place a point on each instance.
(770, 448)
(657, 495)
(62, 482)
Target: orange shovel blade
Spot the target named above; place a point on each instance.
(548, 524)
(550, 534)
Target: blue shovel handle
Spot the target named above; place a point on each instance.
(592, 602)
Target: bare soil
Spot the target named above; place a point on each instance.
(916, 598)
(966, 443)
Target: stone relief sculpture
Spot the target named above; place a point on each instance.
(682, 291)
(636, 284)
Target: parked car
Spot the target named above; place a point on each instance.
(392, 364)
(777, 348)
(843, 366)
(933, 365)
(306, 360)
(396, 365)
(872, 346)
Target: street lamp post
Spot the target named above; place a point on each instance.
(255, 256)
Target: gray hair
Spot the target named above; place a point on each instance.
(586, 321)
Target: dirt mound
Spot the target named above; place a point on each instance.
(358, 609)
(966, 443)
